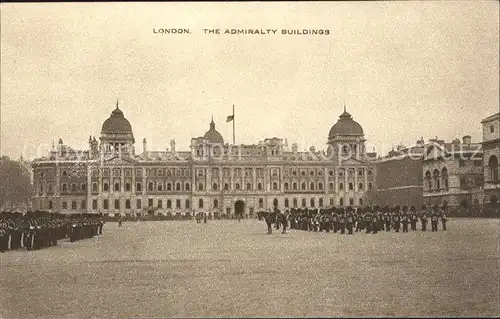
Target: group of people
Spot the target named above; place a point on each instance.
(36, 230)
(349, 220)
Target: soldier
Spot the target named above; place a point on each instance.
(205, 218)
(283, 220)
(342, 220)
(350, 222)
(120, 221)
(396, 221)
(368, 220)
(4, 237)
(434, 219)
(413, 218)
(387, 219)
(374, 226)
(335, 221)
(269, 221)
(405, 219)
(424, 219)
(444, 219)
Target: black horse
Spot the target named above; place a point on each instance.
(269, 217)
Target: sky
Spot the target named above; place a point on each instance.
(404, 70)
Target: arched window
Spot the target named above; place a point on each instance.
(311, 186)
(341, 186)
(73, 187)
(275, 202)
(261, 203)
(295, 186)
(105, 187)
(351, 186)
(237, 186)
(200, 186)
(160, 203)
(186, 186)
(320, 186)
(428, 179)
(295, 202)
(444, 177)
(286, 203)
(259, 186)
(303, 186)
(493, 167)
(331, 185)
(304, 202)
(188, 203)
(216, 203)
(312, 202)
(285, 186)
(105, 204)
(178, 186)
(275, 186)
(169, 203)
(169, 187)
(435, 176)
(320, 204)
(341, 202)
(160, 186)
(127, 203)
(226, 186)
(214, 186)
(117, 204)
(249, 186)
(360, 186)
(200, 203)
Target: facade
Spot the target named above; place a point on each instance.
(213, 177)
(491, 158)
(399, 177)
(453, 173)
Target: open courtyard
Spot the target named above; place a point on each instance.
(234, 269)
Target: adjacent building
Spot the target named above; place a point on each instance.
(212, 177)
(491, 156)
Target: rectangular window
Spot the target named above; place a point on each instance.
(105, 204)
(116, 172)
(178, 203)
(150, 202)
(138, 187)
(94, 204)
(64, 205)
(127, 187)
(84, 204)
(492, 129)
(94, 187)
(138, 172)
(73, 204)
(117, 204)
(117, 187)
(127, 204)
(138, 204)
(50, 204)
(160, 203)
(128, 172)
(187, 203)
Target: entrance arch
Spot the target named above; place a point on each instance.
(239, 208)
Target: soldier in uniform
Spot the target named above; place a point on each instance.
(4, 237)
(350, 222)
(396, 221)
(405, 219)
(424, 219)
(335, 220)
(342, 221)
(359, 221)
(387, 219)
(444, 219)
(434, 219)
(368, 220)
(374, 226)
(413, 218)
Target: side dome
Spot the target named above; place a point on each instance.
(346, 126)
(116, 123)
(212, 136)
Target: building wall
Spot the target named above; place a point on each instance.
(398, 182)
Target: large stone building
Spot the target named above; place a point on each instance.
(491, 156)
(399, 176)
(453, 173)
(212, 177)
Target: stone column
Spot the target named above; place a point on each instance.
(99, 187)
(346, 186)
(209, 179)
(254, 179)
(89, 188)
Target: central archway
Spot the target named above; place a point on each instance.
(239, 208)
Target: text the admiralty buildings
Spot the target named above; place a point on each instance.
(111, 177)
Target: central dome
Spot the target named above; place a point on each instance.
(116, 123)
(212, 135)
(346, 126)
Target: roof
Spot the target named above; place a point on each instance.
(346, 126)
(116, 123)
(491, 118)
(212, 135)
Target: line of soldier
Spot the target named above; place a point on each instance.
(369, 220)
(36, 230)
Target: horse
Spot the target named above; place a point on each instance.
(269, 217)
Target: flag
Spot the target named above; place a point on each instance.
(229, 118)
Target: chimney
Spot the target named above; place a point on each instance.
(172, 145)
(294, 148)
(466, 139)
(144, 145)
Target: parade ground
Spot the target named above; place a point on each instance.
(234, 269)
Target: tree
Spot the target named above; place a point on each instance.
(15, 185)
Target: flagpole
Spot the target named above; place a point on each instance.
(233, 126)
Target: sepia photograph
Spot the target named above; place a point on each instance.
(249, 159)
